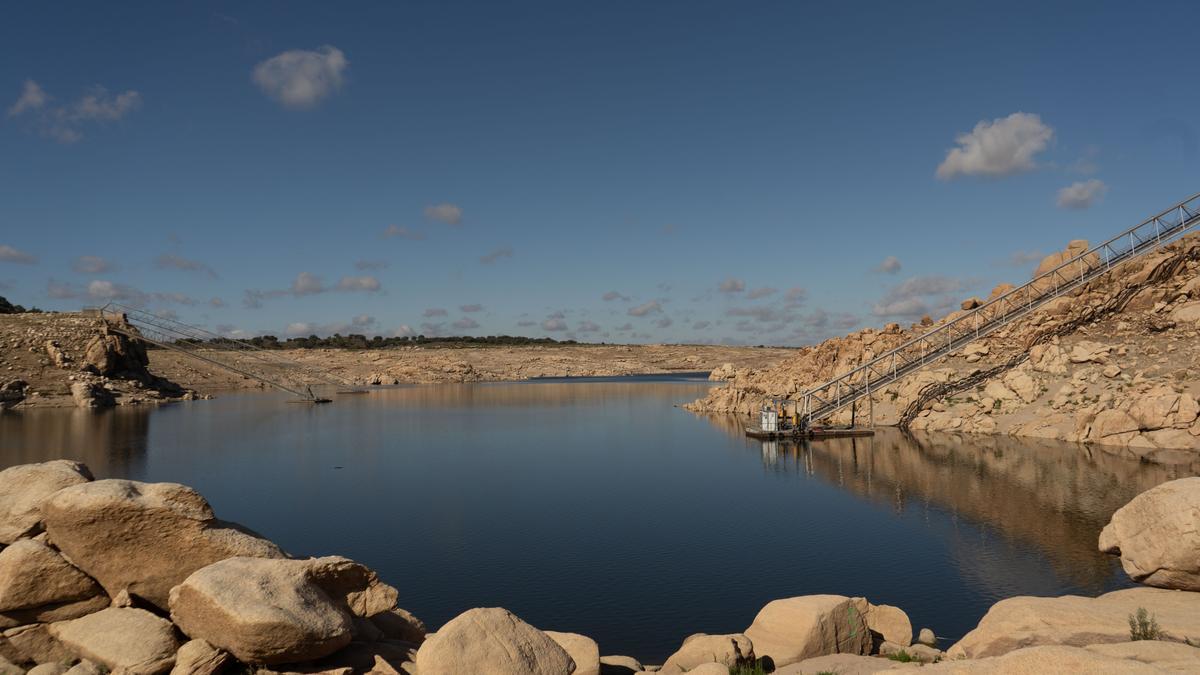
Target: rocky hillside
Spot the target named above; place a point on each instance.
(53, 360)
(1112, 363)
(136, 578)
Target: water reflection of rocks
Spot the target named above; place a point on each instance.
(113, 443)
(1052, 496)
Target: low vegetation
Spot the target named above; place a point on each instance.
(1143, 626)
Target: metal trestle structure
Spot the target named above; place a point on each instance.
(828, 398)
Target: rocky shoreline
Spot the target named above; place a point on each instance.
(1111, 364)
(143, 578)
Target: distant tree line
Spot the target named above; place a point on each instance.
(355, 341)
(7, 307)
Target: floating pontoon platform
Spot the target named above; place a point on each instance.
(813, 432)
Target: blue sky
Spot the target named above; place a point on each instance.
(770, 173)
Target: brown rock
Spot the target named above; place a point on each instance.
(1157, 535)
(583, 651)
(34, 644)
(265, 611)
(494, 641)
(1024, 621)
(799, 628)
(619, 665)
(132, 641)
(400, 624)
(1113, 427)
(24, 487)
(890, 623)
(199, 658)
(32, 575)
(165, 532)
(726, 650)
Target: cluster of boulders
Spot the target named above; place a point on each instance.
(142, 579)
(63, 360)
(1107, 364)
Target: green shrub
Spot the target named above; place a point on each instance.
(1143, 626)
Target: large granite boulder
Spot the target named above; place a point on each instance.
(582, 649)
(24, 487)
(197, 657)
(33, 643)
(39, 585)
(794, 629)
(491, 640)
(698, 649)
(1131, 658)
(273, 611)
(143, 538)
(888, 623)
(125, 640)
(1157, 535)
(1077, 621)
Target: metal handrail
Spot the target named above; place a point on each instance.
(932, 345)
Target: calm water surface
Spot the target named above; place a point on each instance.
(599, 507)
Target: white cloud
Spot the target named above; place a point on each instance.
(554, 325)
(588, 327)
(1082, 194)
(363, 284)
(664, 322)
(1023, 258)
(732, 285)
(65, 123)
(172, 261)
(613, 295)
(433, 311)
(1004, 146)
(465, 323)
(890, 265)
(761, 292)
(651, 307)
(91, 264)
(449, 214)
(471, 308)
(363, 320)
(32, 97)
(300, 78)
(796, 295)
(701, 325)
(307, 283)
(502, 252)
(404, 330)
(919, 295)
(403, 233)
(365, 265)
(12, 255)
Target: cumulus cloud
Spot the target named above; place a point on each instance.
(433, 311)
(525, 323)
(1082, 194)
(664, 322)
(366, 265)
(172, 261)
(503, 252)
(613, 295)
(731, 285)
(401, 232)
(588, 327)
(12, 255)
(465, 323)
(643, 309)
(889, 265)
(701, 325)
(796, 295)
(91, 264)
(471, 308)
(1001, 147)
(65, 123)
(364, 284)
(449, 214)
(761, 292)
(625, 327)
(32, 97)
(918, 296)
(102, 290)
(404, 330)
(301, 78)
(554, 325)
(307, 283)
(363, 320)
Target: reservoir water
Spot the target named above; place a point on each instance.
(599, 507)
